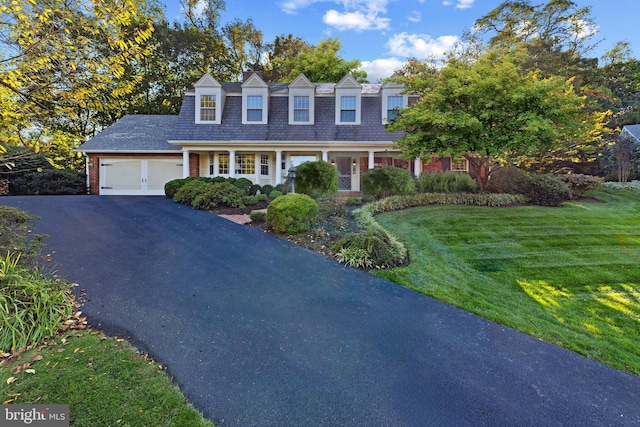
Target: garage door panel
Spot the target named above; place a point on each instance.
(161, 171)
(136, 176)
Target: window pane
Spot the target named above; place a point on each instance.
(245, 164)
(254, 102)
(392, 114)
(394, 102)
(348, 116)
(207, 101)
(347, 102)
(301, 102)
(254, 115)
(264, 164)
(300, 115)
(223, 164)
(208, 114)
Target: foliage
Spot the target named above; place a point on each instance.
(319, 176)
(292, 213)
(329, 206)
(509, 179)
(104, 380)
(262, 197)
(369, 248)
(212, 195)
(254, 189)
(16, 234)
(266, 189)
(633, 185)
(32, 305)
(387, 181)
(487, 107)
(258, 216)
(354, 257)
(446, 182)
(190, 190)
(171, 187)
(353, 201)
(281, 188)
(580, 183)
(250, 200)
(321, 63)
(275, 194)
(547, 190)
(51, 182)
(243, 184)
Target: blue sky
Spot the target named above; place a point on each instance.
(383, 33)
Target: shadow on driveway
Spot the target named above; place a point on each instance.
(257, 331)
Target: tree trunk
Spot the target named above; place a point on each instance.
(480, 169)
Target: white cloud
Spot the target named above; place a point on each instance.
(420, 46)
(198, 10)
(357, 21)
(381, 68)
(581, 29)
(292, 6)
(460, 4)
(414, 16)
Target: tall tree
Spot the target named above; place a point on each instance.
(488, 107)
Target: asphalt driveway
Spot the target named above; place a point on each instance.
(257, 331)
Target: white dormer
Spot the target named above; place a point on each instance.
(255, 101)
(348, 101)
(392, 99)
(209, 100)
(301, 101)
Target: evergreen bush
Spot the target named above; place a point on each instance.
(243, 184)
(319, 176)
(446, 182)
(580, 183)
(388, 181)
(292, 213)
(171, 187)
(217, 194)
(190, 190)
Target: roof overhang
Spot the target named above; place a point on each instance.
(94, 151)
(285, 145)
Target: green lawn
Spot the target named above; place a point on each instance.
(104, 381)
(568, 275)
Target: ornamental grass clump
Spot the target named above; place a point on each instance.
(292, 213)
(32, 304)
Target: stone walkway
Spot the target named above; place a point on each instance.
(238, 219)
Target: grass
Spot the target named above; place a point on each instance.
(104, 380)
(567, 275)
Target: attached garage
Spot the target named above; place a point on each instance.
(132, 157)
(137, 176)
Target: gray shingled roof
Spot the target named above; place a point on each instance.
(278, 128)
(135, 133)
(633, 130)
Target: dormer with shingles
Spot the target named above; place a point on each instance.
(348, 101)
(210, 97)
(255, 101)
(301, 101)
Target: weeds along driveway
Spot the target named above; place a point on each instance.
(257, 331)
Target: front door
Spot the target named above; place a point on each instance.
(344, 173)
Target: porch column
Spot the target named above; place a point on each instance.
(325, 155)
(232, 163)
(185, 164)
(278, 167)
(371, 161)
(417, 167)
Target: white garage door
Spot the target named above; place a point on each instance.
(135, 176)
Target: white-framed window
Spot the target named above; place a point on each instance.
(245, 164)
(348, 109)
(460, 165)
(207, 108)
(264, 164)
(254, 108)
(394, 104)
(301, 109)
(223, 164)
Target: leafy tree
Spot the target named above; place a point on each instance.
(489, 107)
(321, 63)
(281, 57)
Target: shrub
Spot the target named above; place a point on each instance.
(220, 193)
(329, 206)
(15, 234)
(371, 247)
(446, 182)
(243, 184)
(580, 183)
(353, 201)
(281, 188)
(368, 198)
(36, 304)
(172, 187)
(546, 190)
(292, 213)
(258, 216)
(509, 179)
(275, 194)
(266, 189)
(633, 185)
(190, 190)
(254, 189)
(261, 197)
(250, 200)
(57, 182)
(319, 176)
(384, 182)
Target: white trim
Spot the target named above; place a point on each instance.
(207, 85)
(264, 93)
(386, 93)
(357, 93)
(301, 92)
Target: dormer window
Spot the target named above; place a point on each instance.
(209, 101)
(301, 101)
(254, 108)
(207, 108)
(348, 96)
(394, 104)
(255, 100)
(393, 100)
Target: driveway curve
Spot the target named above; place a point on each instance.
(257, 331)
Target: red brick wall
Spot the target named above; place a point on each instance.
(94, 166)
(435, 165)
(194, 164)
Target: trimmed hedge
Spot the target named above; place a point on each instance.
(292, 213)
(319, 176)
(388, 181)
(190, 190)
(216, 194)
(48, 182)
(446, 182)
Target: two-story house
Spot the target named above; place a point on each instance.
(254, 130)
